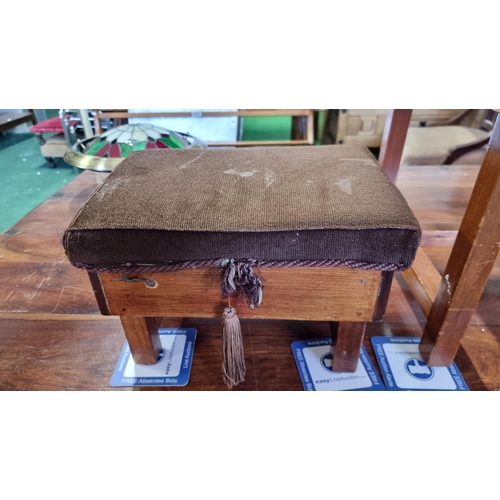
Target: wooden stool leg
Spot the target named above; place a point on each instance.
(143, 339)
(348, 338)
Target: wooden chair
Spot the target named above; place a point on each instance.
(449, 301)
(54, 146)
(444, 143)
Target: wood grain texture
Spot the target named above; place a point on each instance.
(393, 141)
(143, 339)
(487, 311)
(471, 261)
(423, 280)
(383, 295)
(58, 287)
(438, 238)
(77, 355)
(348, 339)
(100, 297)
(438, 196)
(294, 293)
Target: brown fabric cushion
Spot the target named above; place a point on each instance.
(282, 203)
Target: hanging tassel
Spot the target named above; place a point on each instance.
(237, 274)
(233, 365)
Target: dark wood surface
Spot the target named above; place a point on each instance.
(53, 337)
(81, 354)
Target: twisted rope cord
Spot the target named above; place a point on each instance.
(197, 264)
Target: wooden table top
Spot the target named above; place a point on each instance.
(52, 336)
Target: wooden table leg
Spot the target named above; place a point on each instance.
(143, 339)
(348, 339)
(469, 266)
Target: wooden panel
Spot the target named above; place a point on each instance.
(300, 293)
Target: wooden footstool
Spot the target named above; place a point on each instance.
(303, 233)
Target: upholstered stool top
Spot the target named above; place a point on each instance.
(269, 204)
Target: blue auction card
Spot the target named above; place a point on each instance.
(314, 362)
(403, 368)
(172, 369)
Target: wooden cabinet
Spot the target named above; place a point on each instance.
(366, 126)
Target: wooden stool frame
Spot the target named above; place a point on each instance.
(345, 297)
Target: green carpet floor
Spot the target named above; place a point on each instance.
(26, 179)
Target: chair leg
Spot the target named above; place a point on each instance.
(393, 141)
(348, 339)
(143, 339)
(469, 266)
(51, 161)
